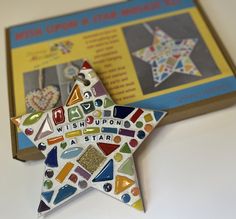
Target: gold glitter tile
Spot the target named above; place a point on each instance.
(91, 159)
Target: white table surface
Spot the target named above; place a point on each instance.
(187, 169)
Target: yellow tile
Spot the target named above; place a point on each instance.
(73, 134)
(64, 172)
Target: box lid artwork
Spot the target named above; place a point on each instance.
(155, 54)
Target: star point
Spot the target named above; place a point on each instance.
(89, 142)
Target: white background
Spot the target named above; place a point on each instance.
(187, 169)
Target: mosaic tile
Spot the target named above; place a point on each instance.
(63, 193)
(64, 172)
(126, 132)
(125, 149)
(82, 184)
(75, 96)
(136, 115)
(51, 160)
(118, 157)
(107, 148)
(29, 131)
(109, 130)
(106, 113)
(122, 183)
(42, 207)
(98, 102)
(87, 95)
(47, 195)
(73, 178)
(63, 145)
(108, 103)
(71, 152)
(107, 187)
(42, 146)
(89, 142)
(91, 159)
(32, 118)
(45, 129)
(83, 173)
(98, 89)
(141, 134)
(88, 107)
(74, 113)
(106, 173)
(148, 127)
(138, 205)
(55, 140)
(127, 167)
(122, 112)
(139, 124)
(127, 124)
(73, 134)
(48, 184)
(135, 191)
(91, 130)
(49, 173)
(125, 198)
(58, 115)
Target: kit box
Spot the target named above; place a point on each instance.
(155, 54)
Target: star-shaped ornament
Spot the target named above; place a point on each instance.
(167, 56)
(89, 142)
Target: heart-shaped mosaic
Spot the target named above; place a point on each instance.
(42, 99)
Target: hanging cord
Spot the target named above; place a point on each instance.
(81, 78)
(148, 28)
(41, 79)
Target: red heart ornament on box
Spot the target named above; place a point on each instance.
(42, 99)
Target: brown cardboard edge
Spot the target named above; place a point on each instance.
(177, 114)
(200, 108)
(216, 36)
(29, 153)
(11, 96)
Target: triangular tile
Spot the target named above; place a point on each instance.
(138, 205)
(45, 129)
(122, 183)
(51, 159)
(108, 102)
(125, 149)
(75, 96)
(106, 173)
(42, 207)
(179, 64)
(48, 195)
(16, 120)
(127, 167)
(64, 193)
(158, 115)
(86, 65)
(107, 148)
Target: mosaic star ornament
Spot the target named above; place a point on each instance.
(89, 142)
(167, 56)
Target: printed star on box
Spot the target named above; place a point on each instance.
(167, 56)
(89, 142)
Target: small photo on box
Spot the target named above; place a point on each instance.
(49, 87)
(169, 52)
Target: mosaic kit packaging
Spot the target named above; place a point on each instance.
(155, 54)
(89, 143)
